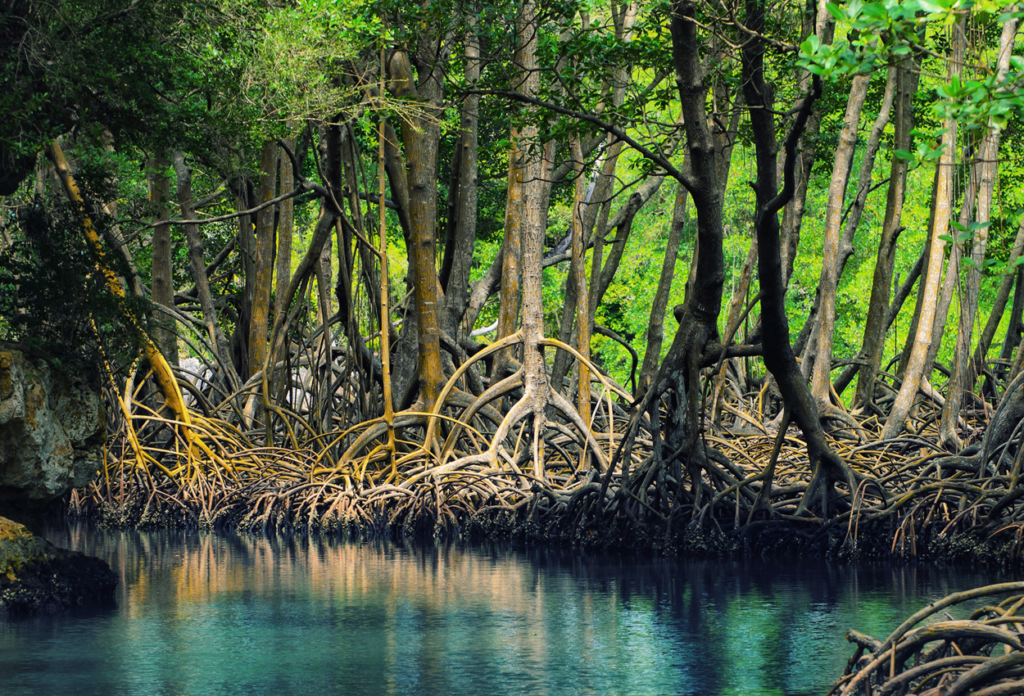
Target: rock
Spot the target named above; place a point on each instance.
(38, 578)
(52, 430)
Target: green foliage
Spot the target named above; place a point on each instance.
(53, 297)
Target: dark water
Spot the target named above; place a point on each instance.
(208, 614)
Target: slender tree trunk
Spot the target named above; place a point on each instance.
(873, 342)
(778, 353)
(163, 271)
(579, 281)
(929, 298)
(655, 329)
(263, 267)
(961, 371)
(679, 373)
(821, 380)
(793, 215)
(1015, 326)
(197, 262)
(457, 289)
(866, 170)
(508, 311)
(161, 370)
(284, 234)
(420, 136)
(999, 307)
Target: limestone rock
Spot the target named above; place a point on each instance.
(52, 429)
(37, 577)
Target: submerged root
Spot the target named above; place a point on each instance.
(983, 654)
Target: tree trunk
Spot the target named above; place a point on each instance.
(284, 234)
(420, 136)
(827, 467)
(929, 297)
(999, 307)
(679, 373)
(163, 272)
(873, 342)
(197, 261)
(247, 252)
(263, 268)
(457, 289)
(655, 330)
(961, 371)
(821, 380)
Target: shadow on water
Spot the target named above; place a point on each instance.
(216, 614)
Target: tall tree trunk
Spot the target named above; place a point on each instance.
(999, 307)
(420, 136)
(197, 262)
(679, 373)
(1015, 326)
(873, 342)
(866, 170)
(163, 270)
(161, 370)
(929, 298)
(579, 282)
(821, 380)
(247, 252)
(779, 358)
(457, 289)
(961, 371)
(817, 21)
(263, 268)
(655, 328)
(285, 228)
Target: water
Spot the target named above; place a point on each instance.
(209, 614)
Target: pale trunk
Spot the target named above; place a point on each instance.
(961, 370)
(929, 299)
(821, 381)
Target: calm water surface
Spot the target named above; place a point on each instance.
(211, 614)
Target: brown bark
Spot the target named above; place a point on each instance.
(866, 169)
(999, 307)
(285, 228)
(655, 330)
(197, 262)
(420, 134)
(464, 236)
(951, 279)
(579, 282)
(247, 252)
(163, 272)
(262, 268)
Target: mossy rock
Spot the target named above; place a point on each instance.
(19, 546)
(36, 577)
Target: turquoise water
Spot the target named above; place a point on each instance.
(215, 614)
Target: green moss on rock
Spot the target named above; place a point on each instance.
(37, 577)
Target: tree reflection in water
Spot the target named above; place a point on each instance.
(223, 614)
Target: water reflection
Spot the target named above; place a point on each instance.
(206, 614)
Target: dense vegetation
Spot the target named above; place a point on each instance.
(371, 251)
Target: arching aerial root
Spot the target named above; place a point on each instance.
(473, 459)
(983, 654)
